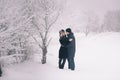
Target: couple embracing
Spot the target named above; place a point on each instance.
(67, 48)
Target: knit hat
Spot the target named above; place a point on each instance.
(68, 30)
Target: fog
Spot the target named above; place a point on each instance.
(75, 11)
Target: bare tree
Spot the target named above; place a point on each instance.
(92, 23)
(50, 15)
(42, 14)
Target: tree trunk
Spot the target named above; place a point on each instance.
(86, 32)
(44, 51)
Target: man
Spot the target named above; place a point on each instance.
(71, 48)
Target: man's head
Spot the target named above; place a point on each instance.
(68, 31)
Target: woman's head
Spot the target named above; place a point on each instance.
(62, 32)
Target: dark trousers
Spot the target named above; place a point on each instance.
(62, 62)
(71, 63)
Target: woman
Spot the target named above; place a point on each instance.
(63, 50)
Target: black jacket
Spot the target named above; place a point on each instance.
(71, 47)
(63, 49)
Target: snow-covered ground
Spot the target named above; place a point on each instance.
(97, 58)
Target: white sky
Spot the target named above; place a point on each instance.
(100, 6)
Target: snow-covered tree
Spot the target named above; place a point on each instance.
(22, 19)
(92, 23)
(12, 35)
(41, 15)
(112, 21)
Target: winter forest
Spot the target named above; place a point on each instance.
(29, 39)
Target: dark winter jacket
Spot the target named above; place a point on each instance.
(63, 50)
(71, 47)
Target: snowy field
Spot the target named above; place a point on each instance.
(97, 58)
